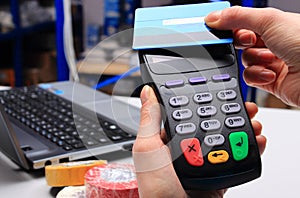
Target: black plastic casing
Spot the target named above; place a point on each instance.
(204, 61)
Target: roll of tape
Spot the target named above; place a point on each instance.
(69, 173)
(111, 180)
(72, 192)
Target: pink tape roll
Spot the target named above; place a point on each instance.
(111, 180)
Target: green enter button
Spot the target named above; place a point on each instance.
(239, 145)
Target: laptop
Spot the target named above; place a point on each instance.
(63, 121)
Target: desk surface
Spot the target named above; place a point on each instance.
(281, 162)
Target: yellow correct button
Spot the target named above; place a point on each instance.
(216, 157)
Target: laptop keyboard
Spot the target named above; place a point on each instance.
(53, 118)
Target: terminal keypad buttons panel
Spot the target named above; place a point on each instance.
(210, 123)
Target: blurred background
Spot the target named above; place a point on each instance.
(31, 42)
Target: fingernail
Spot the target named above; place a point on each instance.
(246, 39)
(213, 17)
(267, 76)
(145, 94)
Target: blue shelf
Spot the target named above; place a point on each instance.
(38, 27)
(9, 35)
(27, 30)
(16, 36)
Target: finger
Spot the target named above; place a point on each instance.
(243, 18)
(150, 121)
(257, 127)
(261, 142)
(258, 75)
(252, 109)
(258, 56)
(245, 38)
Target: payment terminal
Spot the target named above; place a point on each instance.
(195, 75)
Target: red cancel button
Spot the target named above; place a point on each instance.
(192, 151)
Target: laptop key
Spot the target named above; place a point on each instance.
(67, 147)
(78, 145)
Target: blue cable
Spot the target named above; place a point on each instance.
(116, 78)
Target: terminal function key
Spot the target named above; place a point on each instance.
(239, 145)
(192, 151)
(174, 83)
(221, 77)
(216, 157)
(197, 80)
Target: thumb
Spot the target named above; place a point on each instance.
(148, 144)
(150, 121)
(236, 17)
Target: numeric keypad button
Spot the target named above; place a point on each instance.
(185, 128)
(210, 125)
(233, 122)
(182, 114)
(203, 97)
(177, 101)
(206, 111)
(231, 108)
(214, 140)
(226, 94)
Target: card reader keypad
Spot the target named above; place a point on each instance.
(210, 123)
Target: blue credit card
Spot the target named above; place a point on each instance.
(175, 26)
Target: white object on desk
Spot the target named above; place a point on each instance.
(281, 162)
(281, 159)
